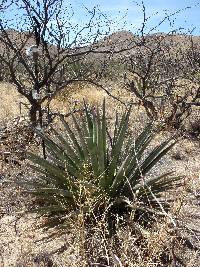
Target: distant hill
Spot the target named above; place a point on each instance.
(115, 42)
(125, 40)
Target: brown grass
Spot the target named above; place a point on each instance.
(10, 102)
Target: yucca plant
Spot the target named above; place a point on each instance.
(93, 171)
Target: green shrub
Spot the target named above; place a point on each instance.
(96, 173)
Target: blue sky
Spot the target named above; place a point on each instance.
(155, 9)
(127, 15)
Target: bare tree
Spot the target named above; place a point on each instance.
(42, 51)
(159, 70)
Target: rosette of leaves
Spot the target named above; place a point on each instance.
(95, 172)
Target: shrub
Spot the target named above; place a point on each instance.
(96, 174)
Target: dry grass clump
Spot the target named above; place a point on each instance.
(10, 102)
(133, 246)
(81, 246)
(72, 97)
(65, 102)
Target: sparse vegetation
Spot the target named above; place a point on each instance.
(92, 184)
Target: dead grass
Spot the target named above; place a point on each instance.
(22, 243)
(73, 96)
(10, 102)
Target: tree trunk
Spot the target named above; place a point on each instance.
(35, 114)
(35, 108)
